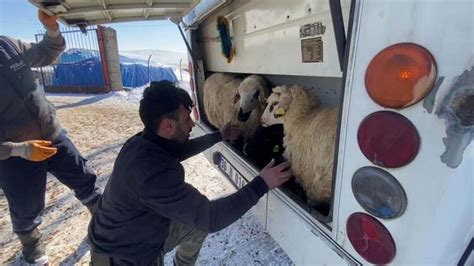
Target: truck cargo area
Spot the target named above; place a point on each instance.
(328, 89)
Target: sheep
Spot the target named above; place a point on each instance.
(309, 138)
(227, 98)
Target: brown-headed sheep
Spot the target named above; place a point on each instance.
(227, 98)
(309, 141)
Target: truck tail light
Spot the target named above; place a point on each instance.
(400, 75)
(388, 139)
(192, 87)
(370, 238)
(379, 193)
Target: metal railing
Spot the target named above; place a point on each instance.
(80, 68)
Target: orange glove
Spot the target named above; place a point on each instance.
(33, 150)
(50, 22)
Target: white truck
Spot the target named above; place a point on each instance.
(402, 72)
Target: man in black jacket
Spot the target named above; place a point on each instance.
(147, 208)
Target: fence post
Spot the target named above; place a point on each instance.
(103, 57)
(180, 70)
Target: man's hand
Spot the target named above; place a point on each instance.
(50, 22)
(274, 176)
(33, 150)
(230, 132)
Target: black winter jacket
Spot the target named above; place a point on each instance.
(25, 113)
(147, 190)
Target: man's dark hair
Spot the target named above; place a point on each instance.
(162, 100)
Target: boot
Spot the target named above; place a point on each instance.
(33, 248)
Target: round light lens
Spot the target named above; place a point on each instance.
(388, 139)
(379, 193)
(400, 75)
(370, 238)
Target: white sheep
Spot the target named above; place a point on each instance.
(309, 141)
(227, 98)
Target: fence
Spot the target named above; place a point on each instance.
(81, 68)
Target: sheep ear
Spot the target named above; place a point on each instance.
(285, 100)
(236, 99)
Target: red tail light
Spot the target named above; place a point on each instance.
(388, 139)
(370, 238)
(400, 75)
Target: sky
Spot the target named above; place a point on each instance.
(18, 19)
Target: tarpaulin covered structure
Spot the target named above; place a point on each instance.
(83, 67)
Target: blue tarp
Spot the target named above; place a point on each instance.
(77, 54)
(81, 67)
(136, 75)
(87, 72)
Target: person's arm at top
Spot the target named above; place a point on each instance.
(181, 202)
(48, 49)
(200, 144)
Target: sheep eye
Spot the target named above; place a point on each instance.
(272, 106)
(257, 93)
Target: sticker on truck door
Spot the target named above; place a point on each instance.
(312, 50)
(312, 29)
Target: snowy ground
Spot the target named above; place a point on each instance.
(98, 125)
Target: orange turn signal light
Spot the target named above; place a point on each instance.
(400, 75)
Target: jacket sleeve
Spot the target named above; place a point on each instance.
(199, 144)
(44, 52)
(182, 202)
(5, 150)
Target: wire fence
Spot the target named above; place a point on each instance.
(79, 68)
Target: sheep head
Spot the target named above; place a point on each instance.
(252, 92)
(278, 104)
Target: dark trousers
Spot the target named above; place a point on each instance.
(24, 182)
(188, 240)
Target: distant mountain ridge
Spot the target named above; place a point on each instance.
(169, 58)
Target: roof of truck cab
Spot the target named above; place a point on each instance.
(91, 12)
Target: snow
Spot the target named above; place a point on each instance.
(99, 125)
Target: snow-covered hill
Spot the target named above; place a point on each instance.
(158, 57)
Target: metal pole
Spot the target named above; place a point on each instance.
(180, 71)
(103, 57)
(41, 68)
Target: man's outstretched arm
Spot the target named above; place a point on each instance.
(182, 202)
(200, 144)
(165, 193)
